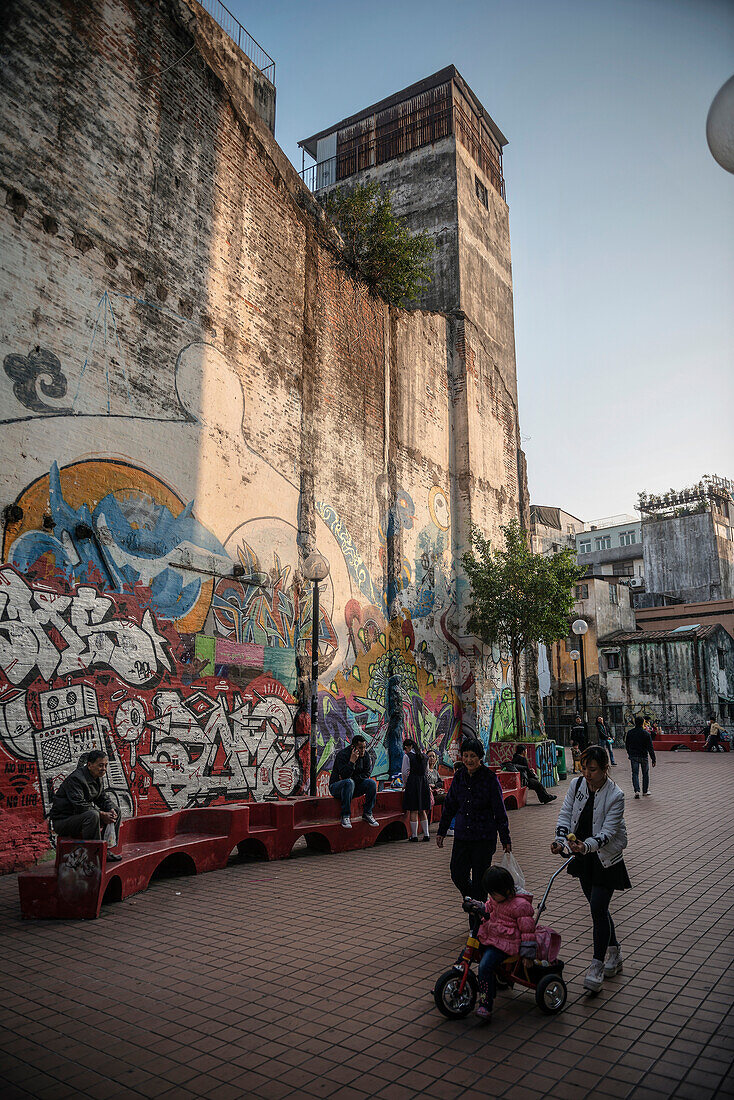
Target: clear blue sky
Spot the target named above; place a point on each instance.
(622, 224)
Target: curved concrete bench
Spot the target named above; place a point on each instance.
(195, 841)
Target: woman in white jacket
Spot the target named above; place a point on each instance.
(591, 824)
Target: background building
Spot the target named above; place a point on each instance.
(677, 677)
(552, 529)
(688, 543)
(612, 547)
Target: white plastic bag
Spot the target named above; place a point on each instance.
(510, 864)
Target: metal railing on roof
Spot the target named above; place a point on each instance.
(412, 130)
(232, 26)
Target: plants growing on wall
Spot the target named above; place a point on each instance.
(518, 598)
(394, 263)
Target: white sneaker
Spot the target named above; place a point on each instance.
(613, 962)
(371, 821)
(594, 978)
(346, 823)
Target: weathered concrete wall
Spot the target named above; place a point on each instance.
(682, 557)
(681, 673)
(193, 394)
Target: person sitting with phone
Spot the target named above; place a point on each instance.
(350, 778)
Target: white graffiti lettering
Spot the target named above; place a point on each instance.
(87, 626)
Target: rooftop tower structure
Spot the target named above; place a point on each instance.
(437, 150)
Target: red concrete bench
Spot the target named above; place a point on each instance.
(194, 841)
(675, 742)
(514, 793)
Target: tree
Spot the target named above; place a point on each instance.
(393, 262)
(518, 598)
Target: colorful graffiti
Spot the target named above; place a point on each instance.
(117, 525)
(113, 636)
(85, 669)
(359, 699)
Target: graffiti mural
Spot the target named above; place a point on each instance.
(116, 524)
(82, 668)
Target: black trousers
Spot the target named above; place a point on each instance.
(605, 935)
(469, 860)
(537, 786)
(86, 826)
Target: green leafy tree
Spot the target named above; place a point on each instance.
(518, 598)
(394, 263)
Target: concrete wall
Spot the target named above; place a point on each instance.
(674, 673)
(682, 558)
(189, 384)
(422, 187)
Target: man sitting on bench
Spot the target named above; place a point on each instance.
(81, 806)
(350, 778)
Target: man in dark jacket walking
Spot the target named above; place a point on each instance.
(475, 800)
(81, 806)
(350, 777)
(639, 746)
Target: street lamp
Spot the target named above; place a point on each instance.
(315, 568)
(574, 655)
(579, 627)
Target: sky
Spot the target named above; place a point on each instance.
(621, 222)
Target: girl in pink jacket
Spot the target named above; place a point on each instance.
(508, 929)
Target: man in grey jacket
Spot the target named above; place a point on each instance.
(81, 805)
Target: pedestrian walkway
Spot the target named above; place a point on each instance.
(312, 977)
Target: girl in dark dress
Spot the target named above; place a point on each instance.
(591, 824)
(417, 793)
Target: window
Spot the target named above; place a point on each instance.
(615, 714)
(603, 543)
(612, 660)
(722, 658)
(584, 546)
(582, 591)
(613, 595)
(627, 538)
(623, 569)
(482, 193)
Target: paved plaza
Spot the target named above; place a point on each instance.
(312, 977)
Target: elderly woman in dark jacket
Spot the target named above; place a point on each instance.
(475, 800)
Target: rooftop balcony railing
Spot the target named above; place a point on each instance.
(407, 133)
(232, 27)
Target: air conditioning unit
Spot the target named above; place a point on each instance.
(637, 582)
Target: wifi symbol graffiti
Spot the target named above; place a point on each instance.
(18, 782)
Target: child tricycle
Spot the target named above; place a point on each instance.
(455, 992)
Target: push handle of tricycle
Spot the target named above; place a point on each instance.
(565, 853)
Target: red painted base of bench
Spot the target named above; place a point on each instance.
(194, 841)
(671, 742)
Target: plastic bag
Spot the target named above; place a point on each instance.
(510, 864)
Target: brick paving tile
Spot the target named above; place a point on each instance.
(223, 1010)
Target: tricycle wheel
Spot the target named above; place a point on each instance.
(449, 1000)
(551, 993)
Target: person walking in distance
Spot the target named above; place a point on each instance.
(638, 742)
(591, 824)
(606, 739)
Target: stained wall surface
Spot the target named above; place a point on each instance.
(193, 394)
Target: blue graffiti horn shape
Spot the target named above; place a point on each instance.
(125, 555)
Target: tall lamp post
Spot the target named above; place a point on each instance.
(316, 569)
(579, 627)
(574, 655)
